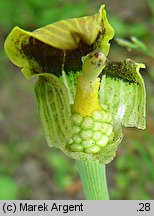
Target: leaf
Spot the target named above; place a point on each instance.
(54, 110)
(126, 43)
(139, 44)
(58, 46)
(122, 88)
(135, 43)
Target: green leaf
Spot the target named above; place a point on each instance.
(126, 43)
(122, 88)
(134, 43)
(54, 110)
(139, 44)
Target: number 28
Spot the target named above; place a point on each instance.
(144, 207)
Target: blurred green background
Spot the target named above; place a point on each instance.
(29, 169)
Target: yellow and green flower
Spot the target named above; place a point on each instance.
(83, 100)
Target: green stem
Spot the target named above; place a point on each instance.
(93, 177)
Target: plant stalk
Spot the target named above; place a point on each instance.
(93, 177)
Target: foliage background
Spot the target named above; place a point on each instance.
(29, 169)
